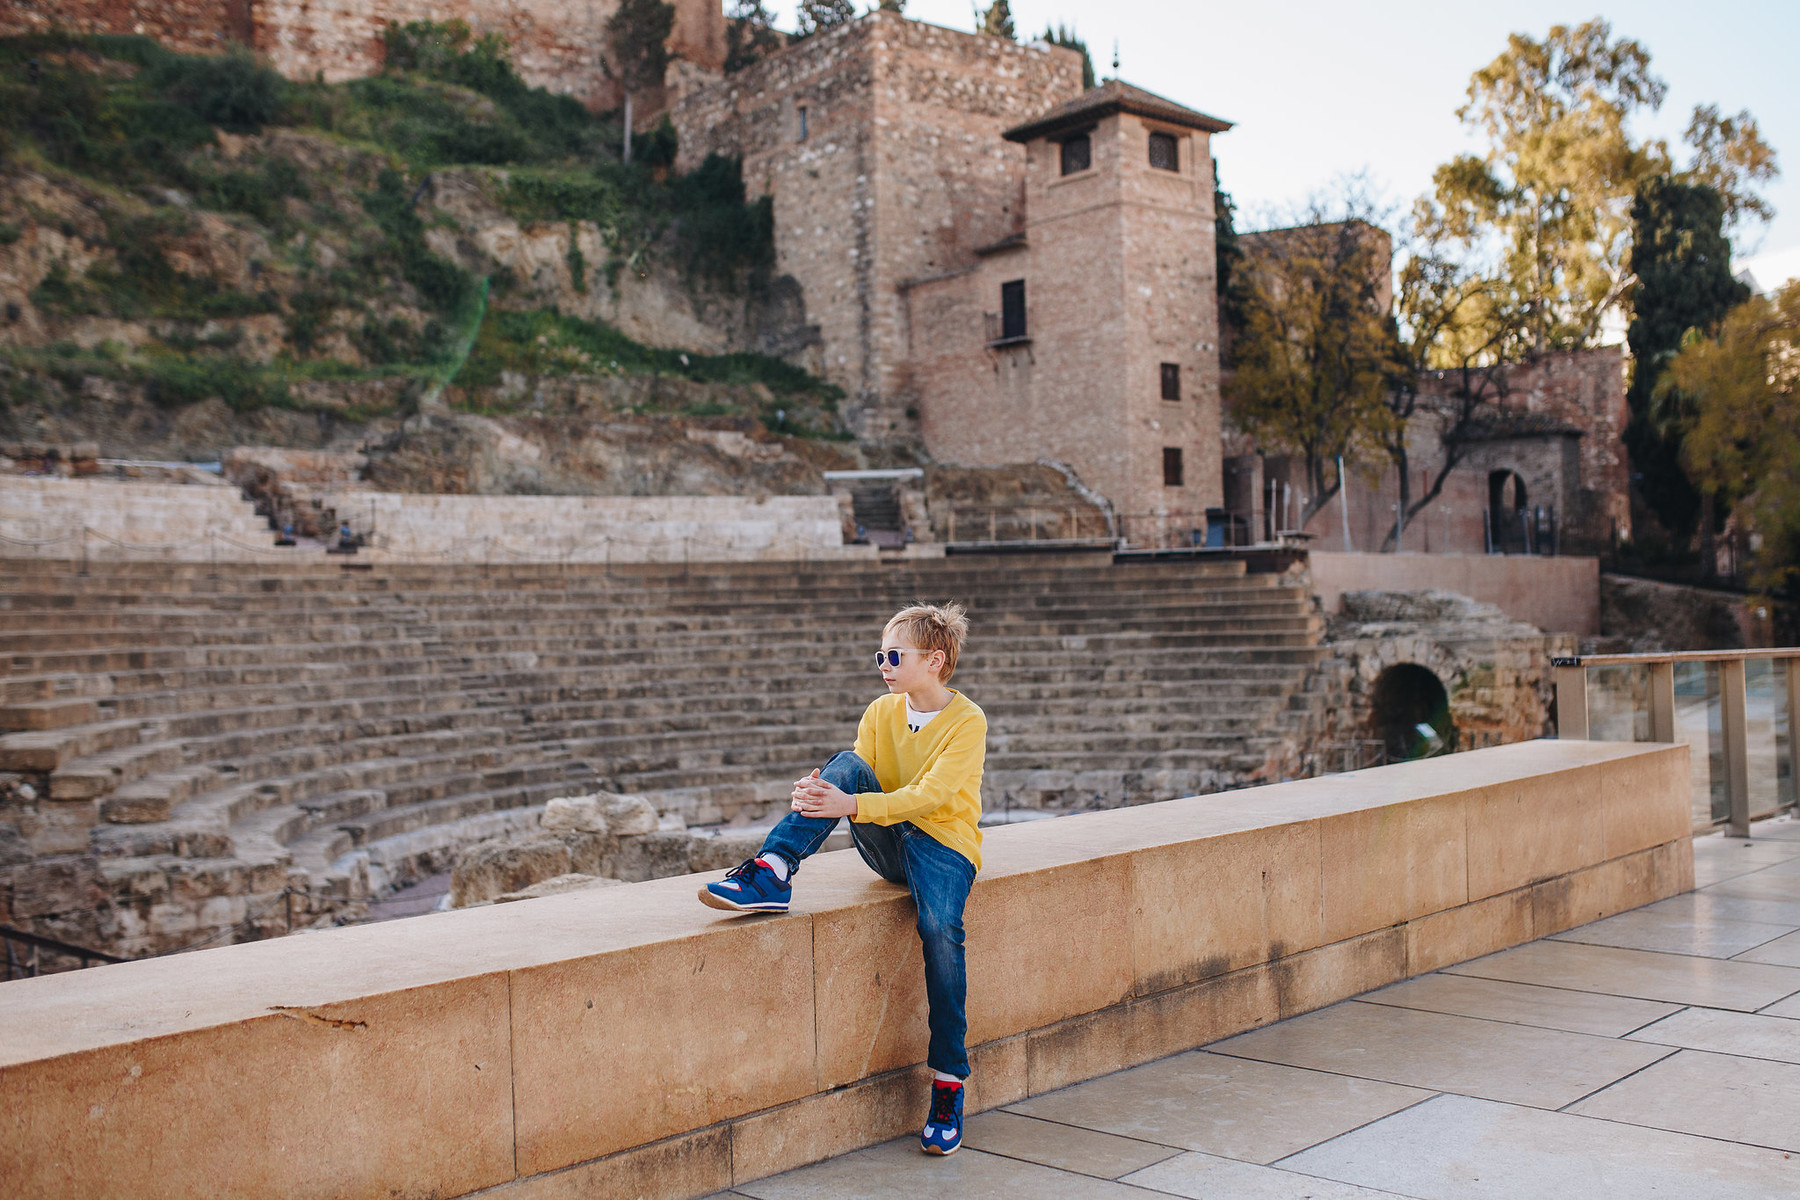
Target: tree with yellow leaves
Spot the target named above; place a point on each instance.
(1735, 397)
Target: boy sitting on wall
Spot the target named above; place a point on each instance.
(912, 791)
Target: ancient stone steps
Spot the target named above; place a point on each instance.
(340, 730)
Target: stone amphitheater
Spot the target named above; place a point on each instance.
(228, 751)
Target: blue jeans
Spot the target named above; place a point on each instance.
(939, 879)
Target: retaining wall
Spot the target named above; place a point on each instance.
(628, 1042)
(45, 518)
(1558, 595)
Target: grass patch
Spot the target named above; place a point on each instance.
(545, 342)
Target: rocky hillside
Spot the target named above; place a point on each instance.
(196, 254)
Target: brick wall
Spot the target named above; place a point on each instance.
(1119, 270)
(556, 44)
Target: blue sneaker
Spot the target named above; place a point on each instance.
(748, 887)
(943, 1128)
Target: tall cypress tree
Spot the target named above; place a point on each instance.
(637, 38)
(1682, 261)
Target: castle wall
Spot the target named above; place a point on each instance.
(901, 174)
(556, 44)
(189, 26)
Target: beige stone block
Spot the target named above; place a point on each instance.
(1599, 891)
(998, 1073)
(1181, 1019)
(1532, 829)
(869, 973)
(1205, 907)
(1025, 972)
(1646, 800)
(1331, 973)
(620, 1049)
(1674, 866)
(1047, 945)
(697, 1164)
(408, 1093)
(829, 1123)
(1080, 1048)
(1383, 866)
(1459, 934)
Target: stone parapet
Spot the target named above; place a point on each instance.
(591, 529)
(627, 1041)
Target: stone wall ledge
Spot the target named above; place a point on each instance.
(631, 1042)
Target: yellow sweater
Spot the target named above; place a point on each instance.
(931, 778)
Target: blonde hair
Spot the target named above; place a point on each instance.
(934, 627)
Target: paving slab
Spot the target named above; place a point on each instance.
(1739, 1099)
(1208, 1177)
(1716, 860)
(1708, 935)
(898, 1170)
(1523, 1004)
(1758, 885)
(1458, 1148)
(1675, 978)
(1784, 951)
(1520, 1064)
(1749, 1035)
(1065, 1147)
(1782, 827)
(1233, 1107)
(1708, 904)
(1783, 1008)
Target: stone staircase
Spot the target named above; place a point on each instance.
(201, 741)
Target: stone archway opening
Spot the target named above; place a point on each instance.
(1410, 713)
(1508, 526)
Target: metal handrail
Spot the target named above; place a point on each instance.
(1570, 676)
(37, 942)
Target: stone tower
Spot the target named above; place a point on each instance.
(1090, 336)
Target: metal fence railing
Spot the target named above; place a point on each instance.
(1735, 709)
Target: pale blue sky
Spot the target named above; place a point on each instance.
(1323, 89)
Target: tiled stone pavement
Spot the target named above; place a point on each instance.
(1656, 1053)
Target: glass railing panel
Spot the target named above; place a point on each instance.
(1784, 734)
(1763, 705)
(1619, 703)
(1697, 723)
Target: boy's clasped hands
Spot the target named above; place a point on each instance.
(815, 797)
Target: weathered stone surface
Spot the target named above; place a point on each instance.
(724, 851)
(655, 855)
(626, 815)
(581, 814)
(557, 886)
(492, 868)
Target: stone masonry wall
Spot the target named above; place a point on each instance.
(1118, 264)
(900, 175)
(1585, 390)
(190, 26)
(556, 44)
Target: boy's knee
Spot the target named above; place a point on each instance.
(940, 929)
(846, 770)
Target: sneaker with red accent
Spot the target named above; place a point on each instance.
(748, 887)
(943, 1128)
